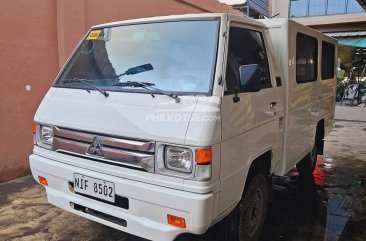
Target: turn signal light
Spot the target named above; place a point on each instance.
(204, 156)
(176, 221)
(34, 127)
(42, 180)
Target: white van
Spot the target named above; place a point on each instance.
(166, 125)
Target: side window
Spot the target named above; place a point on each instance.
(328, 50)
(246, 47)
(306, 58)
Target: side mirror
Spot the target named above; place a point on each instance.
(249, 78)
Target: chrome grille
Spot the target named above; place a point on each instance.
(126, 152)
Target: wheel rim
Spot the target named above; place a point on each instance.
(255, 212)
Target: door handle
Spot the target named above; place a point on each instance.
(273, 107)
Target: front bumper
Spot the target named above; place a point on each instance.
(148, 204)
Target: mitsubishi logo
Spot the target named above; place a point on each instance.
(95, 149)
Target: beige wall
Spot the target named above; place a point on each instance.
(28, 56)
(36, 38)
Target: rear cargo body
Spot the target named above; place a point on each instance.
(307, 103)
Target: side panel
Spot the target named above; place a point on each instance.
(309, 102)
(306, 103)
(237, 155)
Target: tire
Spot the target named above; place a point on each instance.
(245, 223)
(307, 165)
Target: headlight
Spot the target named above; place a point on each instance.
(44, 136)
(193, 163)
(178, 159)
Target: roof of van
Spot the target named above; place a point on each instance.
(285, 22)
(180, 17)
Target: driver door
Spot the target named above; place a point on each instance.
(251, 124)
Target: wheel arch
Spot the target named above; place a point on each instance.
(261, 163)
(231, 222)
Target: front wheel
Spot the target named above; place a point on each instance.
(245, 223)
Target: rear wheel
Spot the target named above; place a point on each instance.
(307, 165)
(245, 223)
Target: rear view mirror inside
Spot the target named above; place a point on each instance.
(139, 69)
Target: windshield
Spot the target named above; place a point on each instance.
(180, 57)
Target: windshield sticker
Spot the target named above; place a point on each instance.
(94, 35)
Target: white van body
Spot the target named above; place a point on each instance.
(311, 102)
(277, 124)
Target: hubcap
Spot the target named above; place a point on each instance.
(255, 211)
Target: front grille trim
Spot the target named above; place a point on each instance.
(122, 143)
(126, 152)
(109, 162)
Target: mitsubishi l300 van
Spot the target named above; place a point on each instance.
(167, 125)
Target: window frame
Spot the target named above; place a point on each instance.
(240, 25)
(315, 78)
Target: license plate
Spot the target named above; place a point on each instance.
(94, 187)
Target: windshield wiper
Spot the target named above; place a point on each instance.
(86, 81)
(148, 86)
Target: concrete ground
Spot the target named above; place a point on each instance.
(331, 206)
